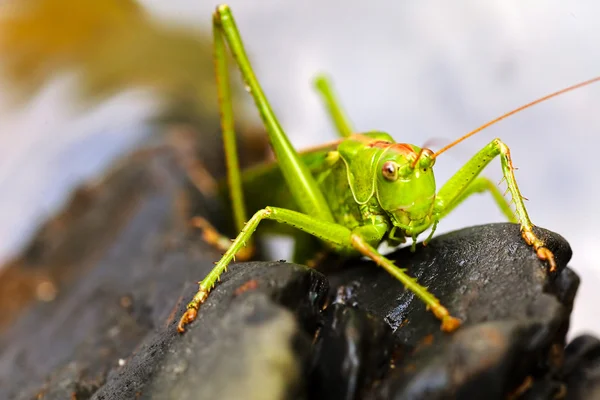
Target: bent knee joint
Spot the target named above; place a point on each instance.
(262, 214)
(500, 145)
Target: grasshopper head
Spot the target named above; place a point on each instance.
(406, 185)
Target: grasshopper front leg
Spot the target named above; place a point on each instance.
(327, 231)
(466, 182)
(361, 239)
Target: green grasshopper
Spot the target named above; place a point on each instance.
(352, 194)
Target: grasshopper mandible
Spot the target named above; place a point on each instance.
(354, 193)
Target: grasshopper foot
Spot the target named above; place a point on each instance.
(542, 252)
(192, 309)
(188, 317)
(449, 323)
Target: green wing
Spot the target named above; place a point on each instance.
(264, 184)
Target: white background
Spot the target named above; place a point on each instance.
(418, 70)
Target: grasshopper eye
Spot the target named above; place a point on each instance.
(390, 170)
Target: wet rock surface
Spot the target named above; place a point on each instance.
(93, 303)
(351, 353)
(515, 315)
(581, 369)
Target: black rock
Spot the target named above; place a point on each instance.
(124, 261)
(243, 344)
(351, 352)
(581, 370)
(515, 314)
(119, 258)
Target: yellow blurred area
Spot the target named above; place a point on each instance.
(112, 44)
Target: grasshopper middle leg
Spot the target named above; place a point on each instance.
(334, 108)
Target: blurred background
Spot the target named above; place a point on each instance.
(84, 84)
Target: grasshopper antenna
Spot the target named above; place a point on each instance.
(426, 146)
(508, 114)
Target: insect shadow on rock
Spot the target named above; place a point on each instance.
(352, 194)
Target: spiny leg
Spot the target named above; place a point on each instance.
(301, 183)
(457, 188)
(449, 323)
(224, 28)
(234, 179)
(328, 231)
(481, 185)
(338, 236)
(334, 108)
